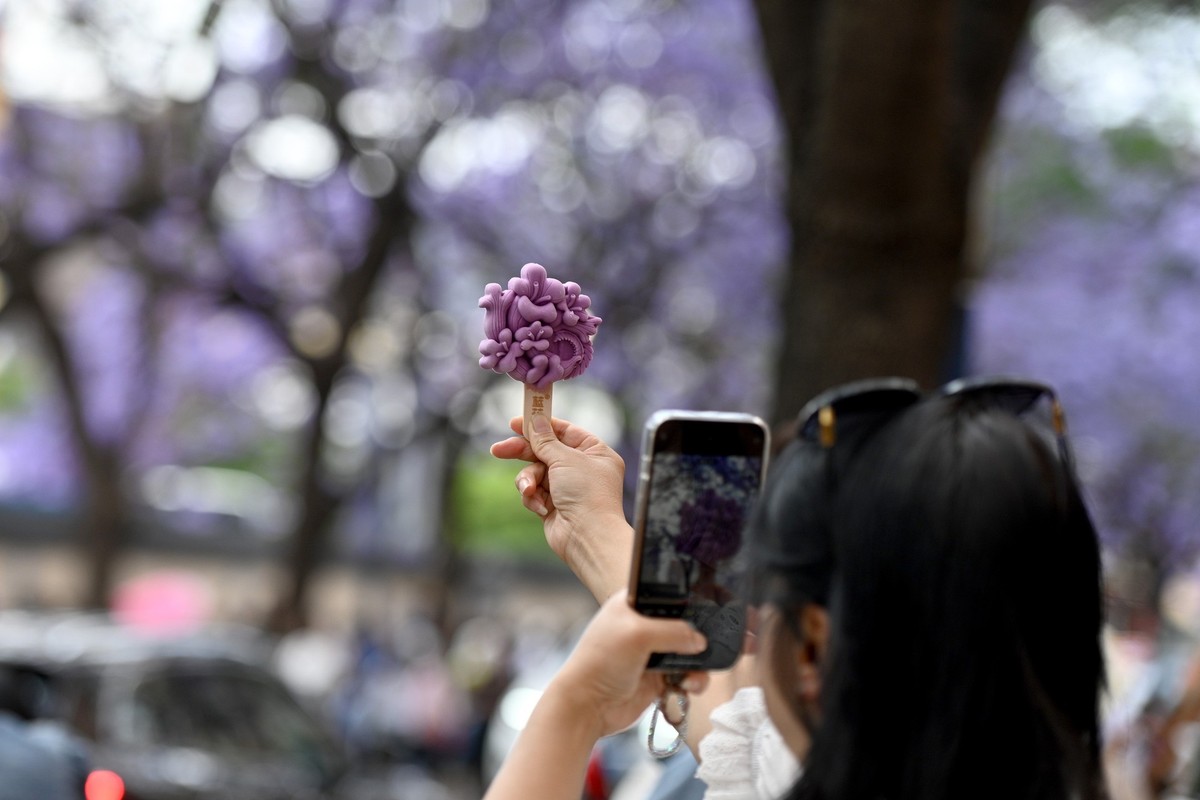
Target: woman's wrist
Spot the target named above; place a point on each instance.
(600, 554)
(565, 708)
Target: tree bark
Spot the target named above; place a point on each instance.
(318, 505)
(105, 514)
(899, 97)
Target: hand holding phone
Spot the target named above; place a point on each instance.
(699, 475)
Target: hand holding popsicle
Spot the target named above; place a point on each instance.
(537, 331)
(574, 483)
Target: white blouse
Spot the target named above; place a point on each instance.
(744, 757)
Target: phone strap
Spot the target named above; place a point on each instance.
(671, 687)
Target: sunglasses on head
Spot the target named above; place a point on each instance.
(821, 417)
(837, 411)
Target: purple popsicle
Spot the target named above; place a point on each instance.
(539, 330)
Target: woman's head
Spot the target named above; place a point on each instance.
(963, 611)
(790, 542)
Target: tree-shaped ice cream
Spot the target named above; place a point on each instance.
(537, 331)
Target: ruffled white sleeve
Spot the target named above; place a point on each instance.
(743, 757)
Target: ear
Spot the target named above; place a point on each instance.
(814, 628)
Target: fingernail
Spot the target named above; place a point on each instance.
(523, 485)
(539, 508)
(699, 643)
(541, 424)
(690, 684)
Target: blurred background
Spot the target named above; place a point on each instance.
(242, 244)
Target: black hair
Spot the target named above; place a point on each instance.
(965, 610)
(789, 544)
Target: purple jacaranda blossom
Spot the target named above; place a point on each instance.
(37, 465)
(636, 217)
(1094, 287)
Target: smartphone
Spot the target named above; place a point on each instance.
(698, 478)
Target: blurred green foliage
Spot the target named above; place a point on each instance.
(1048, 177)
(14, 385)
(1137, 147)
(489, 515)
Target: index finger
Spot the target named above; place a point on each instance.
(514, 448)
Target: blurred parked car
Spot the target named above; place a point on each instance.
(197, 716)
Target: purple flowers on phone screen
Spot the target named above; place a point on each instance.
(710, 528)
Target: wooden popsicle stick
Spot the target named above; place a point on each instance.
(537, 403)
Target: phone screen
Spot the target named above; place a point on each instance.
(704, 476)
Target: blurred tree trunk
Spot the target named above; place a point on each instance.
(444, 579)
(887, 106)
(308, 542)
(389, 242)
(104, 516)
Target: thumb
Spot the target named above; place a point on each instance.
(542, 441)
(673, 636)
